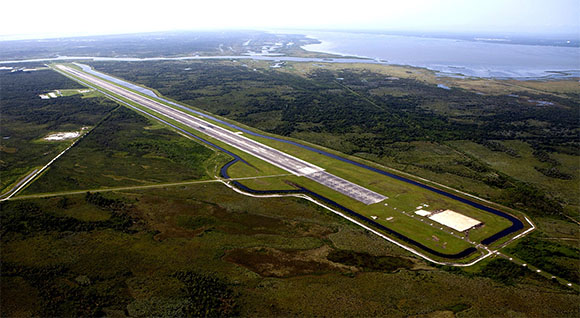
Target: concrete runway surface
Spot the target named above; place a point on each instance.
(273, 156)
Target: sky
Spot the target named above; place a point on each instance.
(59, 18)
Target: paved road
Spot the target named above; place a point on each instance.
(18, 186)
(137, 187)
(273, 156)
(35, 173)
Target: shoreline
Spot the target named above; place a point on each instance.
(547, 75)
(457, 71)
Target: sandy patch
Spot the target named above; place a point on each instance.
(62, 136)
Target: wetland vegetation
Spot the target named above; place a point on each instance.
(26, 119)
(407, 123)
(204, 250)
(129, 253)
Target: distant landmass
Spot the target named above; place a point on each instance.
(475, 55)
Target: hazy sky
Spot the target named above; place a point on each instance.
(73, 17)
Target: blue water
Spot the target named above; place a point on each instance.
(516, 223)
(454, 56)
(448, 57)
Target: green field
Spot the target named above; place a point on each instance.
(128, 150)
(133, 221)
(26, 120)
(392, 115)
(403, 197)
(124, 252)
(527, 167)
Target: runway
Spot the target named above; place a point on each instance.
(273, 156)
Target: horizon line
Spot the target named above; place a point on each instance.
(60, 35)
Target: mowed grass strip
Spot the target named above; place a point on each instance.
(492, 225)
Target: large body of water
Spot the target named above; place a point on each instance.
(453, 56)
(449, 57)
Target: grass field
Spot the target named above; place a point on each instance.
(181, 248)
(81, 257)
(523, 167)
(128, 149)
(404, 198)
(26, 120)
(392, 115)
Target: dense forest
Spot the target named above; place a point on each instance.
(63, 293)
(344, 102)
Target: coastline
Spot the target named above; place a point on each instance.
(326, 47)
(457, 70)
(315, 47)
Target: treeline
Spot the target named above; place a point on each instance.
(541, 153)
(106, 203)
(186, 153)
(503, 271)
(531, 199)
(26, 118)
(499, 269)
(124, 132)
(554, 172)
(143, 45)
(25, 218)
(515, 194)
(206, 296)
(494, 145)
(552, 257)
(63, 294)
(20, 85)
(20, 101)
(322, 104)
